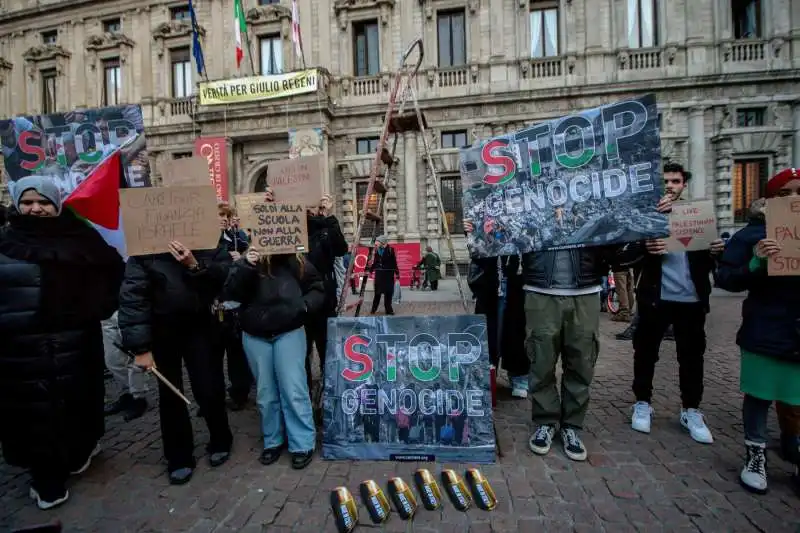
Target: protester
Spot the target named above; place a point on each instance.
(431, 263)
(495, 282)
(58, 280)
(133, 381)
(562, 319)
(384, 267)
(674, 288)
(166, 320)
(3, 215)
(277, 293)
(769, 338)
(235, 241)
(623, 283)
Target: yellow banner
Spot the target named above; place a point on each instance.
(257, 88)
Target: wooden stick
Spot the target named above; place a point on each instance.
(170, 386)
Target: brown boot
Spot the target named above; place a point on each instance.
(622, 316)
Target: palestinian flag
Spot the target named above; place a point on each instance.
(239, 29)
(96, 199)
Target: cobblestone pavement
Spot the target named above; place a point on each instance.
(631, 482)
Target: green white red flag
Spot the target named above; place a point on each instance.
(240, 28)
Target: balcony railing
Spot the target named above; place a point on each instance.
(542, 68)
(181, 106)
(744, 51)
(641, 59)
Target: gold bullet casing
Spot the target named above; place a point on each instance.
(428, 489)
(345, 510)
(402, 497)
(456, 489)
(375, 501)
(482, 491)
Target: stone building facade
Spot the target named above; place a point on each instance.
(726, 74)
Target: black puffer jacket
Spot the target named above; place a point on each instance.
(578, 268)
(276, 302)
(326, 242)
(771, 311)
(58, 280)
(158, 288)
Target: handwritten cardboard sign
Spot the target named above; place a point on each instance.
(185, 171)
(281, 229)
(244, 209)
(783, 225)
(154, 216)
(692, 226)
(297, 180)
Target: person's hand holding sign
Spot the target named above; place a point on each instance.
(144, 361)
(767, 248)
(656, 246)
(717, 246)
(269, 195)
(468, 226)
(665, 204)
(252, 256)
(182, 255)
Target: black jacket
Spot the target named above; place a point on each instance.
(326, 242)
(576, 268)
(278, 302)
(385, 268)
(702, 265)
(771, 311)
(58, 280)
(235, 240)
(158, 289)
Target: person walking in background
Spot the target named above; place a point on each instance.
(431, 263)
(384, 267)
(769, 337)
(235, 242)
(496, 282)
(623, 281)
(133, 382)
(166, 320)
(277, 293)
(674, 288)
(58, 280)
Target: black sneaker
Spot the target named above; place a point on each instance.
(573, 447)
(270, 455)
(301, 460)
(542, 439)
(121, 404)
(669, 335)
(48, 495)
(136, 409)
(180, 476)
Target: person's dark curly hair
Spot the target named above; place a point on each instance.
(678, 169)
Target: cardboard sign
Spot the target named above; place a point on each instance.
(280, 228)
(297, 180)
(244, 209)
(692, 226)
(783, 225)
(154, 216)
(186, 171)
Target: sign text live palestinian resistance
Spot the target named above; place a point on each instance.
(256, 88)
(589, 179)
(692, 226)
(408, 388)
(783, 225)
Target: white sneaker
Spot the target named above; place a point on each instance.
(88, 462)
(50, 502)
(692, 420)
(640, 421)
(754, 473)
(519, 387)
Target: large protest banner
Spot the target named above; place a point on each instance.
(408, 256)
(589, 179)
(410, 388)
(67, 146)
(255, 88)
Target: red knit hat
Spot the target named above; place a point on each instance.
(780, 179)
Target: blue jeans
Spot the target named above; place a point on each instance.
(279, 368)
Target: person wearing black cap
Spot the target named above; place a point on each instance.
(58, 280)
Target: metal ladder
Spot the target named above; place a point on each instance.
(396, 122)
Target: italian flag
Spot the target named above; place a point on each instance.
(240, 28)
(96, 200)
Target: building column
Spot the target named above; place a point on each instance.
(697, 152)
(411, 185)
(796, 139)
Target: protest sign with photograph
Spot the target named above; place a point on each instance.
(783, 225)
(154, 216)
(588, 179)
(408, 388)
(185, 171)
(244, 208)
(297, 180)
(692, 226)
(280, 228)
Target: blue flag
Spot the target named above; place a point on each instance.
(197, 48)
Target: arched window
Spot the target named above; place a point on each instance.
(261, 182)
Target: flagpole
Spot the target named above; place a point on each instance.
(249, 50)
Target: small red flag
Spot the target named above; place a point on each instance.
(97, 197)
